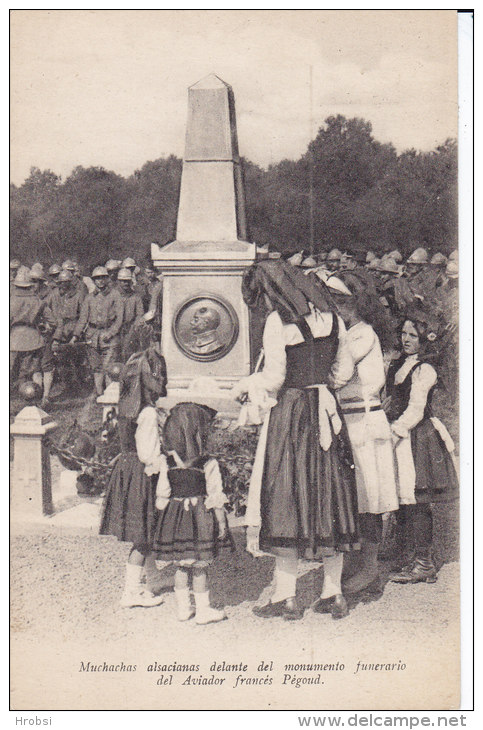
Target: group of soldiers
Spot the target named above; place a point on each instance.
(420, 280)
(66, 323)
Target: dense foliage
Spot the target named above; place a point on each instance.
(348, 190)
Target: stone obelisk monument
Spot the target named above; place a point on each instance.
(205, 324)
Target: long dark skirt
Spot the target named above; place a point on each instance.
(436, 478)
(186, 531)
(129, 506)
(308, 496)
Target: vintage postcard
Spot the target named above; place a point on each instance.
(234, 406)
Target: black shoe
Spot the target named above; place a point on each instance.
(422, 570)
(286, 609)
(335, 605)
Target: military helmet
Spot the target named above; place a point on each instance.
(396, 255)
(370, 256)
(54, 270)
(334, 255)
(296, 259)
(14, 264)
(438, 259)
(388, 266)
(418, 256)
(113, 265)
(124, 275)
(128, 263)
(69, 265)
(98, 272)
(65, 275)
(452, 269)
(23, 278)
(454, 255)
(309, 263)
(37, 272)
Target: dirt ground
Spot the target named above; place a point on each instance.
(65, 590)
(65, 609)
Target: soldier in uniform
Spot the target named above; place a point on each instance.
(86, 280)
(66, 308)
(29, 315)
(132, 305)
(113, 266)
(79, 283)
(101, 321)
(394, 290)
(48, 295)
(333, 260)
(140, 283)
(14, 267)
(53, 275)
(416, 271)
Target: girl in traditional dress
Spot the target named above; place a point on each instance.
(191, 527)
(423, 448)
(367, 425)
(129, 507)
(302, 485)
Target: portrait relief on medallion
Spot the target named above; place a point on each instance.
(205, 327)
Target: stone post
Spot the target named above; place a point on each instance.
(31, 485)
(109, 400)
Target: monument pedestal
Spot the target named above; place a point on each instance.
(204, 279)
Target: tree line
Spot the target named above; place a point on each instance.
(347, 191)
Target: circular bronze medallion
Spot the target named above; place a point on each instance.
(205, 327)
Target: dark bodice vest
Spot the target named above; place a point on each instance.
(310, 361)
(127, 431)
(189, 482)
(400, 393)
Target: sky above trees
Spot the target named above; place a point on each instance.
(108, 88)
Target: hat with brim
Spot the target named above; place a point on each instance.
(23, 278)
(65, 275)
(309, 263)
(99, 272)
(128, 263)
(387, 266)
(418, 256)
(296, 259)
(113, 265)
(452, 269)
(37, 272)
(124, 275)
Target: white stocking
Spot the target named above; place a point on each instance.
(332, 575)
(285, 578)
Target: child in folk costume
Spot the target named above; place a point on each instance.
(191, 525)
(367, 425)
(302, 489)
(129, 507)
(425, 468)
